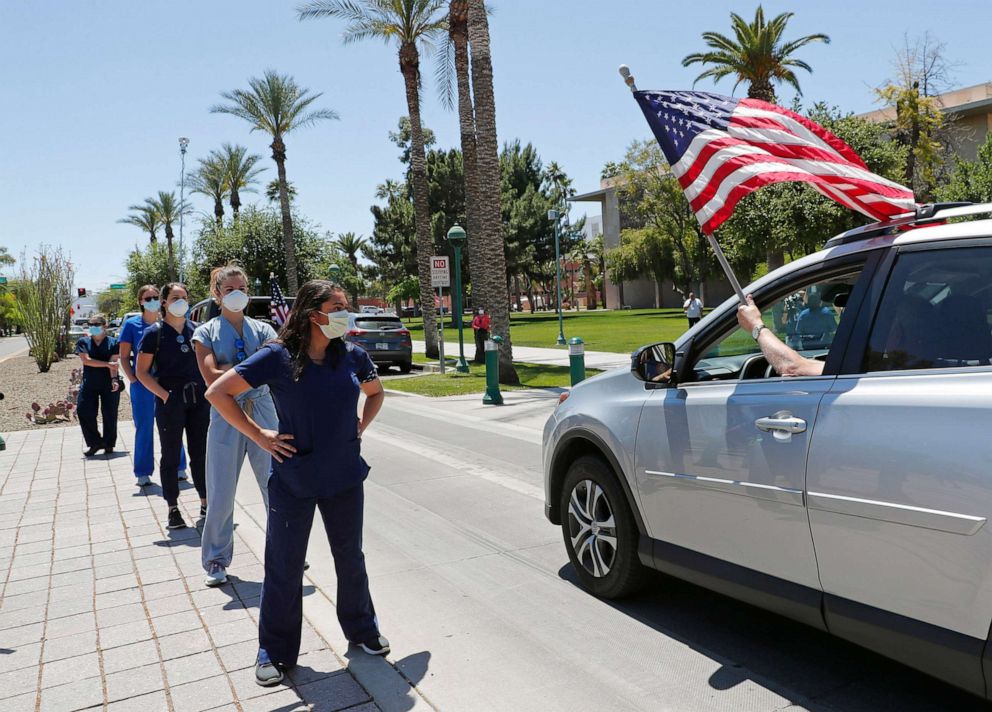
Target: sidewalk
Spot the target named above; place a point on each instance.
(554, 355)
(101, 607)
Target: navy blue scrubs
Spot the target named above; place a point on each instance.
(187, 408)
(95, 393)
(326, 473)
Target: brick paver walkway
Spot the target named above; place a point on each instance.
(102, 607)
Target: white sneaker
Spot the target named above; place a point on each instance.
(144, 481)
(182, 475)
(375, 646)
(216, 576)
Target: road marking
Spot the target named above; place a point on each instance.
(396, 438)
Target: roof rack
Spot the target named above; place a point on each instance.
(925, 214)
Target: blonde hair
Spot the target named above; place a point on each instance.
(218, 275)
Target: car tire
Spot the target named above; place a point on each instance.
(406, 366)
(604, 557)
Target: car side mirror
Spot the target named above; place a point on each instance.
(654, 363)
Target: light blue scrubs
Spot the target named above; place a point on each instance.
(226, 447)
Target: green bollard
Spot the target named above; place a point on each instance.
(493, 396)
(576, 360)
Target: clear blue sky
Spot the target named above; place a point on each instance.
(96, 93)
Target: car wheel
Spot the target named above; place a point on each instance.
(406, 366)
(599, 530)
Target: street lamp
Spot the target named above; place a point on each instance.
(456, 236)
(183, 145)
(553, 215)
(335, 272)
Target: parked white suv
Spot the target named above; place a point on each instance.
(855, 501)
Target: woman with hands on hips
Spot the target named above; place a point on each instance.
(315, 378)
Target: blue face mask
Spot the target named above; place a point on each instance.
(152, 306)
(96, 330)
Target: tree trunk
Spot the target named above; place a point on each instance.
(458, 32)
(410, 67)
(152, 237)
(236, 200)
(172, 255)
(354, 265)
(289, 245)
(492, 268)
(219, 211)
(775, 259)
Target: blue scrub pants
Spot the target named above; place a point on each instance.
(143, 413)
(280, 618)
(226, 451)
(90, 398)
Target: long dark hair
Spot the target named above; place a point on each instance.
(164, 292)
(295, 333)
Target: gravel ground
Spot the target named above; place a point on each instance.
(21, 384)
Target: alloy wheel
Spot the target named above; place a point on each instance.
(592, 528)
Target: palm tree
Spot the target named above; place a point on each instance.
(241, 173)
(210, 179)
(756, 55)
(145, 217)
(489, 276)
(272, 191)
(349, 244)
(414, 25)
(168, 209)
(458, 37)
(277, 105)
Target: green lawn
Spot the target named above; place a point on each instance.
(619, 331)
(453, 383)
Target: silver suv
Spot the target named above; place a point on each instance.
(855, 501)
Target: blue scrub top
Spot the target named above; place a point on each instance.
(94, 376)
(131, 332)
(321, 412)
(175, 364)
(220, 336)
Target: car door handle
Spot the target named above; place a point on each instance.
(781, 423)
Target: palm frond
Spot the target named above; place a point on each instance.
(444, 73)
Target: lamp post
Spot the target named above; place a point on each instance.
(553, 215)
(456, 236)
(335, 272)
(183, 145)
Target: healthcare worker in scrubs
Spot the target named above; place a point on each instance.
(180, 405)
(99, 388)
(315, 378)
(142, 400)
(222, 343)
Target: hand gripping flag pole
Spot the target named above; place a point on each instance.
(720, 257)
(720, 149)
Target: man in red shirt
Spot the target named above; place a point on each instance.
(480, 324)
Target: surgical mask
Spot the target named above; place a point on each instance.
(337, 324)
(96, 330)
(235, 301)
(179, 307)
(152, 306)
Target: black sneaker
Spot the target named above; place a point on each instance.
(203, 511)
(92, 451)
(375, 646)
(175, 519)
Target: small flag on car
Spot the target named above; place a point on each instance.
(278, 308)
(720, 149)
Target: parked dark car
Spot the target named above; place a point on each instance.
(258, 308)
(384, 337)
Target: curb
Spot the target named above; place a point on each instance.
(23, 351)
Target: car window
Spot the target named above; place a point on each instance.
(805, 318)
(378, 323)
(934, 312)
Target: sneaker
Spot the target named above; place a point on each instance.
(306, 565)
(182, 475)
(92, 451)
(216, 575)
(267, 673)
(203, 511)
(176, 520)
(375, 646)
(108, 451)
(144, 481)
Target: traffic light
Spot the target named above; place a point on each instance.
(81, 291)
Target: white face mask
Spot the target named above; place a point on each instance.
(179, 307)
(337, 324)
(152, 306)
(235, 301)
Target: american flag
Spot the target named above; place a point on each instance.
(720, 149)
(277, 305)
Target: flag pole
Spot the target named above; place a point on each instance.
(628, 79)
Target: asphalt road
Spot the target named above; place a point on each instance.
(473, 588)
(10, 345)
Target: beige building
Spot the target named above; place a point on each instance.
(970, 110)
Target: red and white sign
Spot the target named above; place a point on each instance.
(440, 275)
